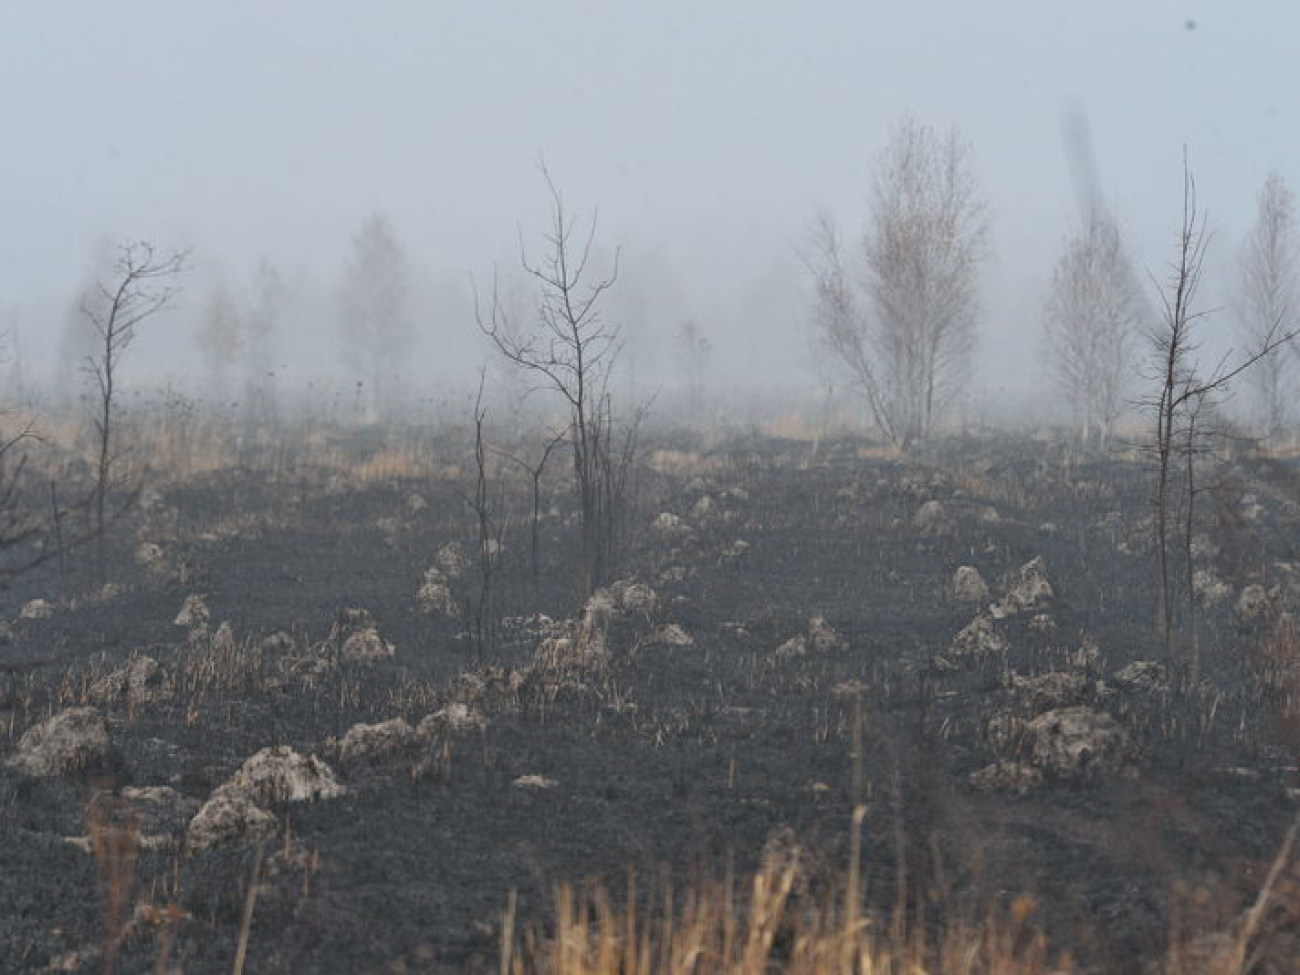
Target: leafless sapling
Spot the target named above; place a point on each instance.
(142, 286)
(693, 349)
(30, 533)
(1184, 396)
(569, 349)
(535, 470)
(490, 526)
(266, 305)
(18, 523)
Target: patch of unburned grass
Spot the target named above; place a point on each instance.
(773, 924)
(979, 483)
(686, 464)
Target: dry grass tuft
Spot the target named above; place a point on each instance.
(390, 462)
(978, 483)
(686, 464)
(774, 927)
(115, 843)
(1274, 659)
(778, 926)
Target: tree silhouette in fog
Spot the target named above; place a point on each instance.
(900, 320)
(1091, 322)
(1267, 299)
(375, 320)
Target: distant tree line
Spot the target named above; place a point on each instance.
(896, 309)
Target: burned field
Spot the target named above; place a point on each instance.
(301, 729)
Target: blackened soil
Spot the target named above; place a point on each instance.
(676, 762)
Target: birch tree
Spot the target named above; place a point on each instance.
(1267, 301)
(375, 321)
(900, 319)
(1091, 322)
(222, 337)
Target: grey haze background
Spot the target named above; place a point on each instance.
(708, 134)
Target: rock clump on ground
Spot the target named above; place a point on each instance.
(1054, 689)
(142, 681)
(933, 519)
(1143, 675)
(239, 807)
(366, 646)
(968, 586)
(194, 613)
(1078, 741)
(72, 742)
(452, 560)
(434, 597)
(370, 742)
(1065, 744)
(457, 717)
(1030, 590)
(670, 635)
(978, 638)
(1254, 605)
(36, 609)
(820, 637)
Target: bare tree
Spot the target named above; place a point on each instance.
(535, 469)
(903, 326)
(31, 525)
(570, 349)
(141, 287)
(693, 350)
(265, 307)
(1267, 299)
(1184, 399)
(1179, 397)
(269, 295)
(377, 329)
(16, 394)
(491, 525)
(18, 524)
(222, 336)
(1091, 321)
(78, 342)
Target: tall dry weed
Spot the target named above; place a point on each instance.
(115, 844)
(775, 925)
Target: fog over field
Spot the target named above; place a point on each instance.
(592, 488)
(709, 137)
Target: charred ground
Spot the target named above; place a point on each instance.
(821, 673)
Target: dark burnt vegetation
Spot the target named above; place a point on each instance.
(789, 639)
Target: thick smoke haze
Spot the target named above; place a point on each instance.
(708, 136)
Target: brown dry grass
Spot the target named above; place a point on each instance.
(115, 844)
(775, 926)
(977, 483)
(772, 926)
(686, 464)
(174, 449)
(1274, 659)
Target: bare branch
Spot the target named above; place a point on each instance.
(570, 350)
(141, 288)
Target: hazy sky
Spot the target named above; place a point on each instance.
(708, 133)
